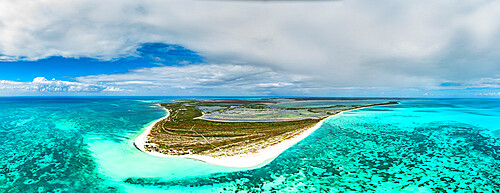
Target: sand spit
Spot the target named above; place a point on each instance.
(248, 160)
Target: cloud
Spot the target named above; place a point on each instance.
(41, 84)
(213, 79)
(481, 83)
(489, 94)
(336, 44)
(231, 79)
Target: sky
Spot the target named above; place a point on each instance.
(384, 48)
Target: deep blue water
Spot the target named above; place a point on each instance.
(85, 145)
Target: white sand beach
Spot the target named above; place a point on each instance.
(249, 160)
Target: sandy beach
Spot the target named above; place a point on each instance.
(249, 160)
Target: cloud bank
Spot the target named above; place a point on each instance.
(340, 44)
(41, 84)
(208, 79)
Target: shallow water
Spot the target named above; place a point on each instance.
(85, 145)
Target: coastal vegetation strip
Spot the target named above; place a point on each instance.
(182, 134)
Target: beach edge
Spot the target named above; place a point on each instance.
(248, 160)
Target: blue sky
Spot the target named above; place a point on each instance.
(186, 47)
(61, 68)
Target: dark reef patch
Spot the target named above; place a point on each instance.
(439, 156)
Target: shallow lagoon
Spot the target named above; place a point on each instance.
(85, 145)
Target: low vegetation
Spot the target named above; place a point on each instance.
(180, 133)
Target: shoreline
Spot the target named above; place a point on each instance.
(140, 140)
(248, 160)
(256, 120)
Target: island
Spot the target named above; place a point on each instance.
(234, 133)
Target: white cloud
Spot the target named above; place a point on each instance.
(337, 44)
(481, 83)
(41, 84)
(214, 79)
(489, 94)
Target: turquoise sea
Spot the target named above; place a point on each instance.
(85, 145)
